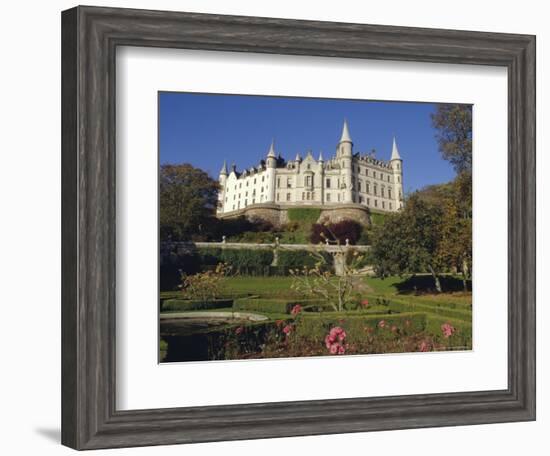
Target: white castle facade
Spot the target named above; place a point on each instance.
(348, 179)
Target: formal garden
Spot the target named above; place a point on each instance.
(244, 289)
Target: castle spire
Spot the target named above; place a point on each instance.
(271, 152)
(223, 171)
(345, 133)
(321, 156)
(394, 152)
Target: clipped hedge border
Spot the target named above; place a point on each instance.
(279, 305)
(355, 325)
(178, 305)
(399, 306)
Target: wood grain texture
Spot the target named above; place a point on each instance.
(89, 39)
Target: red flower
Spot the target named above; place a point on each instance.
(382, 324)
(296, 310)
(447, 330)
(424, 346)
(287, 329)
(365, 302)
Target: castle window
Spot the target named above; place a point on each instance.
(253, 200)
(328, 197)
(328, 183)
(278, 182)
(288, 196)
(388, 177)
(308, 195)
(368, 187)
(308, 180)
(374, 174)
(375, 189)
(338, 197)
(288, 182)
(233, 207)
(390, 206)
(303, 196)
(361, 199)
(359, 186)
(277, 197)
(254, 181)
(308, 166)
(398, 179)
(366, 171)
(312, 195)
(263, 178)
(368, 201)
(383, 205)
(375, 203)
(245, 193)
(389, 194)
(245, 203)
(382, 192)
(240, 185)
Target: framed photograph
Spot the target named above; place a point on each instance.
(279, 228)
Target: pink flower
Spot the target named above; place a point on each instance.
(447, 329)
(341, 350)
(393, 328)
(334, 341)
(296, 310)
(334, 348)
(424, 346)
(365, 302)
(287, 329)
(337, 333)
(239, 330)
(382, 324)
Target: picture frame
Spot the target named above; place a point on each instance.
(90, 36)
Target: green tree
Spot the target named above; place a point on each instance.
(188, 198)
(453, 123)
(455, 247)
(408, 242)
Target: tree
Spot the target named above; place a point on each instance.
(188, 198)
(408, 241)
(453, 123)
(455, 248)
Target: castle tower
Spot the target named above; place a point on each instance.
(397, 166)
(222, 179)
(271, 165)
(344, 153)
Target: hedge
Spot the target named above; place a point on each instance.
(276, 305)
(297, 259)
(178, 305)
(399, 306)
(463, 336)
(317, 326)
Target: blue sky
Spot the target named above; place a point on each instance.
(206, 129)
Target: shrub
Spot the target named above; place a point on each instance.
(184, 305)
(356, 324)
(297, 259)
(336, 232)
(399, 306)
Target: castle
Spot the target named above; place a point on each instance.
(349, 185)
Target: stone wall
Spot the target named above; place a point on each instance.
(278, 215)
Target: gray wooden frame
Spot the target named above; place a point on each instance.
(90, 36)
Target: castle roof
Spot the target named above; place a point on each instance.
(394, 152)
(224, 168)
(271, 153)
(345, 133)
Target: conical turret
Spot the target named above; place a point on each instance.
(394, 151)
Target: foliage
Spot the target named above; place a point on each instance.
(205, 285)
(184, 305)
(377, 218)
(297, 259)
(453, 123)
(408, 241)
(188, 198)
(349, 230)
